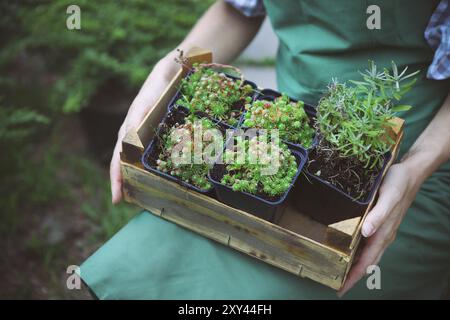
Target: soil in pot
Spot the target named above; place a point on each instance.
(345, 173)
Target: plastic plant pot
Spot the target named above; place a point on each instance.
(327, 203)
(152, 151)
(240, 104)
(271, 95)
(254, 204)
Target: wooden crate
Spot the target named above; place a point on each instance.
(296, 243)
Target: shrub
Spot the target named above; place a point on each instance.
(47, 70)
(119, 42)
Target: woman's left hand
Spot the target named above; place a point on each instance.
(397, 192)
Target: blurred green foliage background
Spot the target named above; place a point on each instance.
(63, 95)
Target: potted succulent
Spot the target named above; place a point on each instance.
(273, 110)
(250, 179)
(344, 168)
(172, 153)
(212, 93)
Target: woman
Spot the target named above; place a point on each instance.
(151, 258)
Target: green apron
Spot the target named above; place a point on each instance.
(154, 259)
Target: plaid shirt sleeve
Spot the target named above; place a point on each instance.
(249, 8)
(437, 35)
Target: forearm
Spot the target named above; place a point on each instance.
(223, 30)
(432, 148)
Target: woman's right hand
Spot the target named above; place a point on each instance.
(152, 89)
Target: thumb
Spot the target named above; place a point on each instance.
(386, 203)
(116, 175)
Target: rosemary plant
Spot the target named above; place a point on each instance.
(353, 119)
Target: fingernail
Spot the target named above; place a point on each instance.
(367, 230)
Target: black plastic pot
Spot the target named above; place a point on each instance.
(271, 95)
(328, 204)
(256, 205)
(172, 104)
(152, 150)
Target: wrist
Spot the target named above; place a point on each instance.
(167, 67)
(419, 163)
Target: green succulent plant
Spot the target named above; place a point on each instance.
(190, 171)
(287, 116)
(215, 94)
(251, 176)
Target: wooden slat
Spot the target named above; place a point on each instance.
(347, 226)
(132, 148)
(199, 55)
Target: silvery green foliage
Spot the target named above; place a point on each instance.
(353, 118)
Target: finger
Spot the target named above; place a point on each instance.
(386, 203)
(116, 176)
(371, 253)
(134, 117)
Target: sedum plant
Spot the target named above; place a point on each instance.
(251, 176)
(287, 116)
(215, 94)
(352, 120)
(190, 170)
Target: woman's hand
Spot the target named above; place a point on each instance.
(397, 192)
(153, 87)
